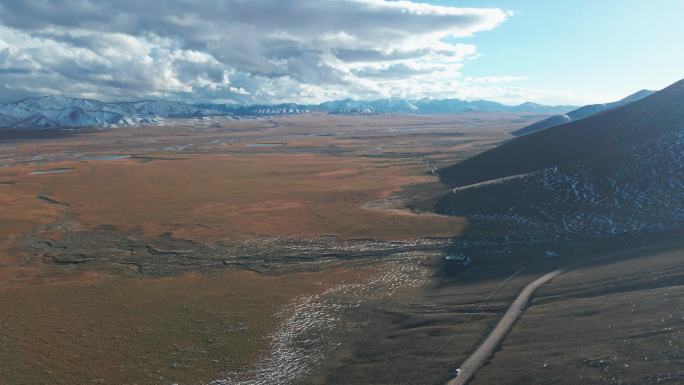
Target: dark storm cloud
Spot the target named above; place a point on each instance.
(299, 17)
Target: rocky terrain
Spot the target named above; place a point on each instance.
(166, 256)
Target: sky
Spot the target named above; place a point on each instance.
(270, 51)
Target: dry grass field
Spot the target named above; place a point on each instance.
(307, 175)
(214, 197)
(618, 321)
(350, 193)
(336, 188)
(207, 181)
(110, 330)
(423, 337)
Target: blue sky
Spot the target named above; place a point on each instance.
(594, 48)
(272, 51)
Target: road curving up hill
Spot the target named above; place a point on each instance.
(486, 349)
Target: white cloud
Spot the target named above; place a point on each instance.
(255, 51)
(494, 79)
(510, 94)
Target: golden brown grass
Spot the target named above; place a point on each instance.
(145, 331)
(222, 197)
(74, 326)
(21, 212)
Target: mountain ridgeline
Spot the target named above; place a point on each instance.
(61, 111)
(581, 113)
(431, 106)
(614, 173)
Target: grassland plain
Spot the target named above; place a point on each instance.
(331, 181)
(350, 193)
(147, 331)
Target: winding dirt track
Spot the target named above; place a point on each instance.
(484, 351)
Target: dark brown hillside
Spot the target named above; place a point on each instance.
(581, 113)
(597, 136)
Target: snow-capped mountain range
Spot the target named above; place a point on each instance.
(56, 111)
(432, 106)
(62, 111)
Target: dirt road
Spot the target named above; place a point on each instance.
(484, 351)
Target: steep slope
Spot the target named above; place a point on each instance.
(581, 113)
(395, 105)
(380, 106)
(618, 172)
(157, 108)
(6, 120)
(14, 111)
(69, 117)
(604, 133)
(551, 121)
(348, 106)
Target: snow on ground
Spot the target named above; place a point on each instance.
(306, 333)
(639, 191)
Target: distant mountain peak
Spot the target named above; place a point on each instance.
(45, 110)
(63, 111)
(581, 113)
